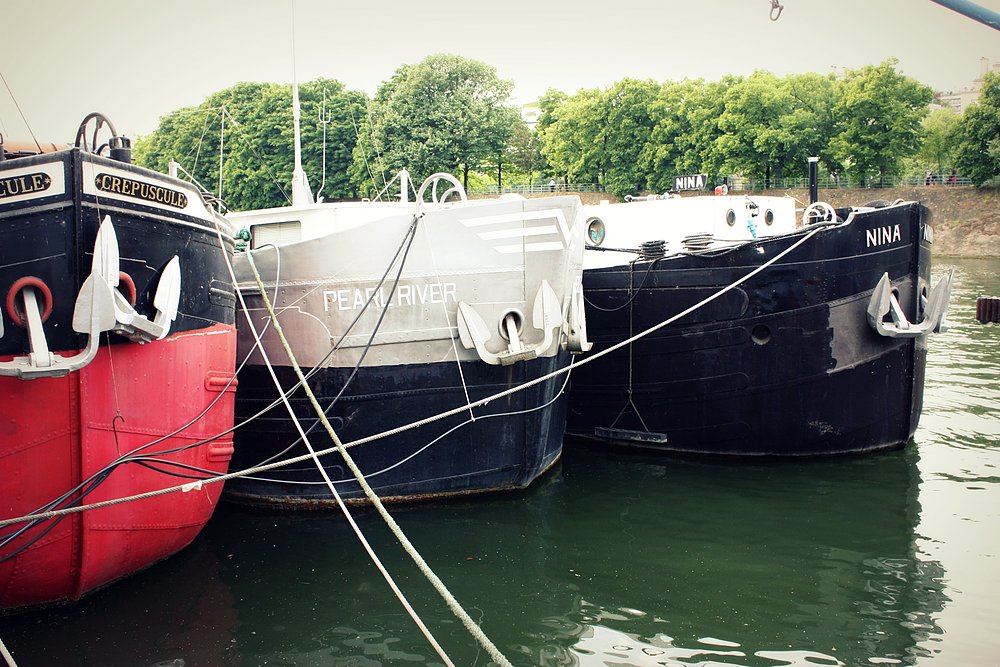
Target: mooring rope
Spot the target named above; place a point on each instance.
(6, 655)
(435, 581)
(422, 422)
(312, 452)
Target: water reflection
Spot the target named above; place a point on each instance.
(174, 614)
(959, 444)
(753, 565)
(617, 559)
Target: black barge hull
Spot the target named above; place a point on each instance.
(440, 459)
(786, 364)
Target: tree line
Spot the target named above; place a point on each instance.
(453, 114)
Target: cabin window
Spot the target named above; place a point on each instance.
(769, 217)
(731, 217)
(275, 233)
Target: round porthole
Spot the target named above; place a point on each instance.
(769, 217)
(731, 217)
(761, 334)
(595, 231)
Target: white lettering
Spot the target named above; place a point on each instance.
(328, 297)
(404, 295)
(404, 298)
(882, 236)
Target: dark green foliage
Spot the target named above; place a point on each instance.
(258, 145)
(446, 113)
(452, 114)
(978, 135)
(878, 113)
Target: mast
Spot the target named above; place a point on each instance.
(301, 194)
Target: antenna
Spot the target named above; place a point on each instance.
(324, 120)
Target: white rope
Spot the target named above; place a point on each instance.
(422, 422)
(442, 590)
(6, 655)
(343, 508)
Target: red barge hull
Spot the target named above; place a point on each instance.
(73, 441)
(117, 355)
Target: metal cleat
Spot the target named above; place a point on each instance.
(884, 302)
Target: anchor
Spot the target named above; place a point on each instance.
(884, 302)
(99, 307)
(475, 333)
(166, 299)
(576, 322)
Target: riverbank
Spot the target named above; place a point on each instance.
(966, 220)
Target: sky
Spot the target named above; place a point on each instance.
(138, 60)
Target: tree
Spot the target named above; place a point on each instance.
(548, 103)
(446, 113)
(813, 117)
(755, 140)
(937, 148)
(772, 126)
(573, 142)
(627, 131)
(879, 112)
(599, 136)
(525, 154)
(685, 129)
(257, 143)
(978, 135)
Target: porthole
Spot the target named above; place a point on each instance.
(731, 217)
(769, 217)
(595, 231)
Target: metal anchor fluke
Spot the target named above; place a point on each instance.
(883, 302)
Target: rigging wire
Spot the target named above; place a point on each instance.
(440, 416)
(422, 565)
(302, 380)
(18, 107)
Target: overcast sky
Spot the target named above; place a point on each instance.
(136, 60)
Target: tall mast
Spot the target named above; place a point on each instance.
(301, 194)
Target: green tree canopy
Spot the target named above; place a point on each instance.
(599, 136)
(446, 113)
(627, 131)
(978, 135)
(685, 131)
(571, 141)
(257, 141)
(879, 113)
(937, 149)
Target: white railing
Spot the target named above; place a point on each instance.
(537, 188)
